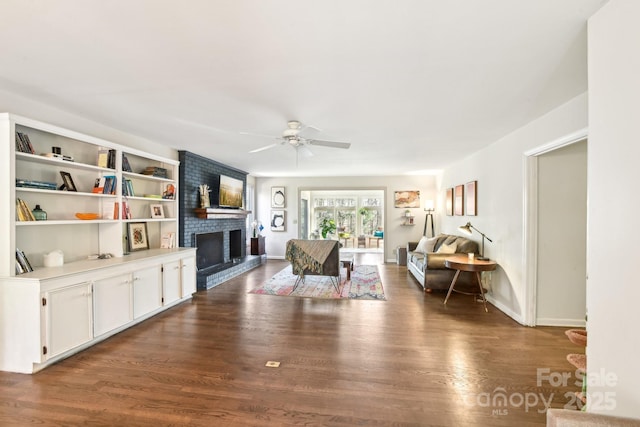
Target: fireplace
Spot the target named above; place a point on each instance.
(235, 244)
(209, 249)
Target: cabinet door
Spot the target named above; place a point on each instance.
(112, 303)
(171, 289)
(147, 290)
(68, 317)
(188, 276)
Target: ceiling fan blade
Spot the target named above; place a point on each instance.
(266, 147)
(333, 144)
(309, 132)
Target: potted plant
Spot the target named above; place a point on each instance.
(327, 226)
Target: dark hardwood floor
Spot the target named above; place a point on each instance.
(407, 361)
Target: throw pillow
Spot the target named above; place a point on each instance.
(447, 249)
(426, 245)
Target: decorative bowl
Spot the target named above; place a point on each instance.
(87, 215)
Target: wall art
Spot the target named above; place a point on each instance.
(472, 201)
(406, 199)
(449, 202)
(458, 202)
(278, 220)
(278, 199)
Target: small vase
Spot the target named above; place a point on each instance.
(39, 214)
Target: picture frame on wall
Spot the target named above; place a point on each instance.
(406, 199)
(472, 200)
(278, 198)
(458, 200)
(137, 236)
(278, 221)
(449, 202)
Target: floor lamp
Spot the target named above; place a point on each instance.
(428, 208)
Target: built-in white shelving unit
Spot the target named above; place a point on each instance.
(54, 311)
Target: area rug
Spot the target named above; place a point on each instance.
(365, 284)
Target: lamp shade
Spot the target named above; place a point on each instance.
(466, 229)
(428, 205)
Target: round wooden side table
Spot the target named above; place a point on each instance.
(462, 262)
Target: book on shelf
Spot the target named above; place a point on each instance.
(155, 171)
(19, 269)
(23, 213)
(98, 186)
(126, 211)
(111, 159)
(42, 185)
(168, 240)
(23, 143)
(127, 188)
(105, 185)
(22, 259)
(110, 210)
(103, 157)
(110, 184)
(126, 167)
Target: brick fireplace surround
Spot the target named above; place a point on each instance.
(194, 171)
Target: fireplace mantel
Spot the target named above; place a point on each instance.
(220, 213)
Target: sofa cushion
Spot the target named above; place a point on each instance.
(426, 244)
(447, 249)
(418, 259)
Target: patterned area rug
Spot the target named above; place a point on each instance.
(364, 284)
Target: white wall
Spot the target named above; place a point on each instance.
(613, 289)
(499, 170)
(394, 234)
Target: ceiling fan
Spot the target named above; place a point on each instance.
(299, 136)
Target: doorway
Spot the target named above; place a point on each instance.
(555, 232)
(358, 214)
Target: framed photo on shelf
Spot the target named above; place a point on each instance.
(278, 199)
(137, 236)
(157, 211)
(449, 202)
(472, 200)
(459, 200)
(67, 182)
(277, 221)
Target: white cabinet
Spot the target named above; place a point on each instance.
(147, 290)
(67, 318)
(171, 288)
(188, 276)
(112, 303)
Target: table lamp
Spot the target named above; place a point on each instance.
(467, 230)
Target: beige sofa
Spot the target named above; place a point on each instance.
(429, 269)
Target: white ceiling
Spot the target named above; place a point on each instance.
(413, 85)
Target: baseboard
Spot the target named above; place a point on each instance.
(580, 323)
(506, 310)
